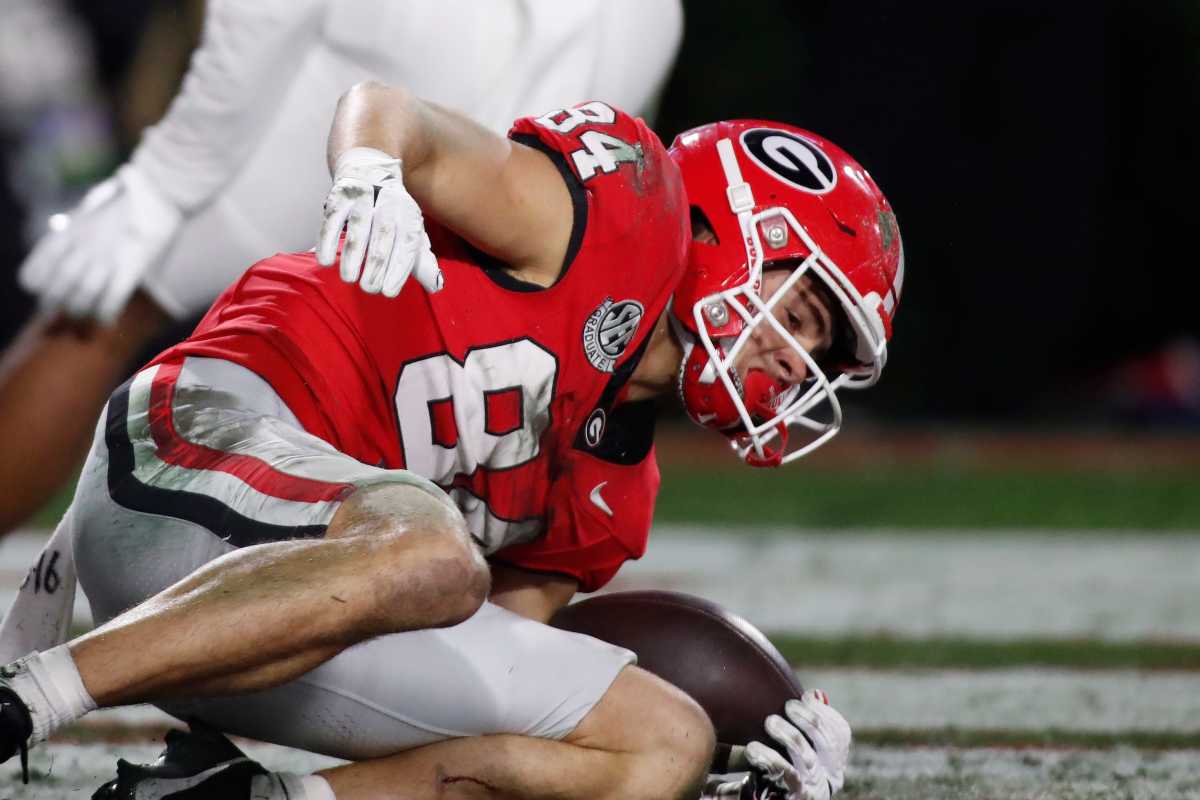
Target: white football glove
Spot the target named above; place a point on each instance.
(812, 771)
(92, 259)
(381, 218)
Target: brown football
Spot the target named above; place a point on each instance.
(720, 659)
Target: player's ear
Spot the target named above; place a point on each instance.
(702, 229)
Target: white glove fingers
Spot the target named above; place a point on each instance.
(384, 254)
(102, 193)
(427, 272)
(94, 259)
(802, 715)
(383, 225)
(817, 718)
(799, 749)
(41, 265)
(358, 234)
(767, 761)
(68, 273)
(116, 296)
(83, 300)
(337, 210)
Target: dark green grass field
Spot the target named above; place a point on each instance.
(932, 497)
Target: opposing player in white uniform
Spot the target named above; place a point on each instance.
(234, 172)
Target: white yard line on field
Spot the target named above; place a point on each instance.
(987, 585)
(1018, 699)
(940, 773)
(980, 584)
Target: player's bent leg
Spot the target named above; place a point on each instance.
(296, 604)
(644, 739)
(54, 380)
(224, 618)
(494, 673)
(421, 712)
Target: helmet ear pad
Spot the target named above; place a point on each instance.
(704, 396)
(707, 400)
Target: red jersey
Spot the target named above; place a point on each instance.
(501, 392)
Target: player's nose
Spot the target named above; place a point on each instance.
(786, 365)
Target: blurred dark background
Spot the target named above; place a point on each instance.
(1041, 159)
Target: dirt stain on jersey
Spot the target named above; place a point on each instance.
(637, 156)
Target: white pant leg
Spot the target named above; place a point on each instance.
(494, 673)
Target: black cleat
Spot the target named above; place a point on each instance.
(16, 726)
(200, 764)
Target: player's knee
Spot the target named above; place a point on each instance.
(454, 579)
(423, 560)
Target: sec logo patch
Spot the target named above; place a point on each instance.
(609, 330)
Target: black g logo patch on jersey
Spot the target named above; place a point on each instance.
(609, 330)
(791, 159)
(593, 429)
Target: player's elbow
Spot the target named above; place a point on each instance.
(375, 94)
(387, 109)
(375, 114)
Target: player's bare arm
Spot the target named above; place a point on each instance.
(506, 199)
(534, 595)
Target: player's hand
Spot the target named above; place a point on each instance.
(812, 771)
(93, 258)
(381, 218)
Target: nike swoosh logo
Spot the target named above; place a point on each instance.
(703, 418)
(159, 788)
(598, 501)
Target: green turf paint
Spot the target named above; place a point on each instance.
(931, 497)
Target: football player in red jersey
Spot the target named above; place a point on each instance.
(234, 480)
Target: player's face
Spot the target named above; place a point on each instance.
(805, 312)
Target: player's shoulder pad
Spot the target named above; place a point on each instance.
(596, 138)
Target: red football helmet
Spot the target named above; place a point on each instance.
(777, 196)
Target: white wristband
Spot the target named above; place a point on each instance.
(365, 155)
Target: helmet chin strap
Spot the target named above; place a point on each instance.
(687, 341)
(760, 397)
(741, 196)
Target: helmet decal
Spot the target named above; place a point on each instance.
(790, 159)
